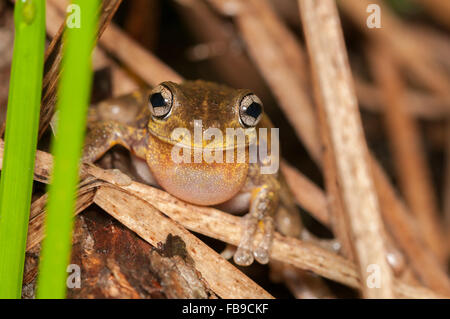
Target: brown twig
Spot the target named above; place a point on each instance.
(336, 205)
(420, 104)
(285, 39)
(413, 172)
(335, 94)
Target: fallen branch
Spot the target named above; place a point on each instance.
(335, 94)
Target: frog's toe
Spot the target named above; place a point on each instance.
(228, 252)
(243, 257)
(121, 179)
(261, 255)
(244, 252)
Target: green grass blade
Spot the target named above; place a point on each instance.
(73, 100)
(20, 142)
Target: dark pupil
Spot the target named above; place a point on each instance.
(254, 110)
(158, 100)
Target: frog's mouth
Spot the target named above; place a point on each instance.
(182, 137)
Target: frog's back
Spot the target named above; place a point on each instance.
(130, 109)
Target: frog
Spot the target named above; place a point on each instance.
(144, 122)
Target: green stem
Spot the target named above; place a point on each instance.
(73, 100)
(20, 142)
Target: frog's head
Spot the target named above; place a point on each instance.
(193, 107)
(174, 106)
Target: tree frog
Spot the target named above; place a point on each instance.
(145, 122)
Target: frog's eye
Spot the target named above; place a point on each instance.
(250, 110)
(160, 101)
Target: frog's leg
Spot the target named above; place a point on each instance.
(102, 136)
(264, 202)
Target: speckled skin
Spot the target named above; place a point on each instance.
(127, 121)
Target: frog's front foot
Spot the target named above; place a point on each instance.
(246, 252)
(260, 215)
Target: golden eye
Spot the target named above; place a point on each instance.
(160, 101)
(250, 110)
